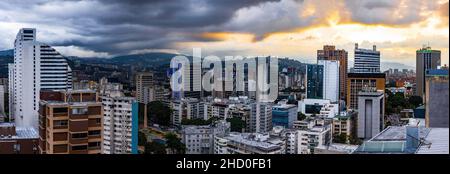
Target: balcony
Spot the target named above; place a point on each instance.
(78, 116)
(78, 140)
(78, 126)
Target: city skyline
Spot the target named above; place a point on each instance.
(286, 28)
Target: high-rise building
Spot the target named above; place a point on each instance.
(436, 98)
(144, 87)
(284, 115)
(426, 59)
(329, 52)
(70, 122)
(120, 125)
(370, 113)
(261, 117)
(315, 81)
(37, 66)
(330, 79)
(357, 81)
(367, 60)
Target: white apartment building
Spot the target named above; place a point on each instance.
(261, 117)
(249, 143)
(329, 111)
(117, 125)
(330, 79)
(189, 108)
(200, 139)
(37, 66)
(316, 133)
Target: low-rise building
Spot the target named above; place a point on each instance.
(249, 143)
(407, 140)
(14, 140)
(200, 139)
(284, 115)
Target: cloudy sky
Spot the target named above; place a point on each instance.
(285, 28)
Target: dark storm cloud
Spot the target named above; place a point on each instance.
(122, 26)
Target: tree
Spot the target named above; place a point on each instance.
(155, 148)
(355, 140)
(236, 124)
(159, 113)
(340, 138)
(142, 139)
(197, 121)
(415, 101)
(174, 144)
(301, 116)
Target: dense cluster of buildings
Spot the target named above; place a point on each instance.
(323, 108)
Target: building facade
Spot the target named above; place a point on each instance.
(260, 117)
(367, 60)
(119, 125)
(70, 122)
(370, 113)
(357, 81)
(314, 81)
(330, 79)
(329, 52)
(200, 139)
(249, 143)
(284, 115)
(18, 140)
(426, 58)
(436, 99)
(144, 87)
(37, 66)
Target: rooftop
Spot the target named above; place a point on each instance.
(22, 133)
(436, 142)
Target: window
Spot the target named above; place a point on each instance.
(58, 123)
(59, 110)
(79, 135)
(94, 144)
(83, 147)
(94, 133)
(79, 111)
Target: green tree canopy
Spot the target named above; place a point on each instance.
(155, 148)
(300, 116)
(174, 144)
(415, 101)
(159, 113)
(236, 124)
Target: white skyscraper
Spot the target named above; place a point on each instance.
(330, 79)
(117, 125)
(367, 60)
(37, 66)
